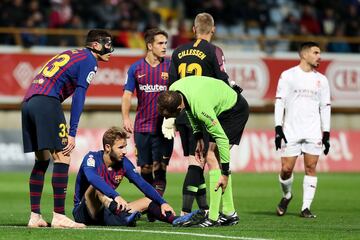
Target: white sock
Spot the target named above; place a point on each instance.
(286, 186)
(309, 188)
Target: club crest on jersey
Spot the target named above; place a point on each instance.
(90, 161)
(118, 178)
(164, 75)
(90, 77)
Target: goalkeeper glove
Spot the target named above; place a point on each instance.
(279, 135)
(168, 128)
(326, 142)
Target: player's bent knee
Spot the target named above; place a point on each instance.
(163, 166)
(286, 173)
(59, 157)
(42, 155)
(192, 161)
(146, 169)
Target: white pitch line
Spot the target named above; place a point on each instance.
(177, 233)
(154, 232)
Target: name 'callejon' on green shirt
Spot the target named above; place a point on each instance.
(208, 98)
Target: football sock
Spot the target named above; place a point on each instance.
(286, 186)
(59, 183)
(227, 199)
(187, 200)
(36, 184)
(201, 194)
(215, 196)
(148, 177)
(155, 210)
(309, 188)
(160, 181)
(190, 187)
(201, 199)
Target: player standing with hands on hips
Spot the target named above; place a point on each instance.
(43, 122)
(302, 124)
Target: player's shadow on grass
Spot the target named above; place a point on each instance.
(270, 213)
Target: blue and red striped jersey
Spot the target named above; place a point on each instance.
(149, 82)
(60, 76)
(67, 73)
(94, 172)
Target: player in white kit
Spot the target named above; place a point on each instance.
(302, 124)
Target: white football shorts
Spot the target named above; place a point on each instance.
(297, 147)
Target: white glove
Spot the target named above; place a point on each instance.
(168, 128)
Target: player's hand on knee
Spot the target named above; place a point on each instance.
(70, 146)
(279, 135)
(200, 150)
(117, 208)
(168, 128)
(326, 142)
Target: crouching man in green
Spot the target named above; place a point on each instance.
(224, 113)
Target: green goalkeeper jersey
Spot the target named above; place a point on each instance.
(208, 98)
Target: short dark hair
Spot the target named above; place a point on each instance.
(96, 35)
(307, 45)
(150, 34)
(168, 103)
(113, 134)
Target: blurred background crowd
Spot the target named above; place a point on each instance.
(237, 21)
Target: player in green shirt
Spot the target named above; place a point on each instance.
(224, 113)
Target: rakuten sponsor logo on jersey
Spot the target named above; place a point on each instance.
(152, 88)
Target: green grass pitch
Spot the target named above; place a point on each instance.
(336, 204)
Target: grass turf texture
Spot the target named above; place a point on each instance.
(256, 195)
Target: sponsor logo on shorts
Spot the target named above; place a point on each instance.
(64, 141)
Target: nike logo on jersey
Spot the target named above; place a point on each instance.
(142, 75)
